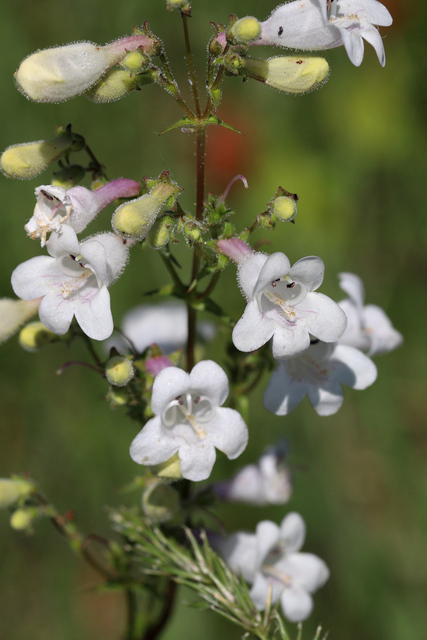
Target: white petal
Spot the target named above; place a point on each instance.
(197, 461)
(208, 378)
(253, 329)
(283, 393)
(292, 532)
(372, 10)
(32, 278)
(248, 272)
(228, 432)
(296, 603)
(106, 254)
(240, 552)
(353, 45)
(170, 383)
(372, 36)
(151, 446)
(307, 570)
(326, 321)
(383, 336)
(93, 313)
(352, 367)
(276, 266)
(353, 286)
(268, 536)
(354, 334)
(56, 313)
(261, 588)
(85, 207)
(292, 340)
(327, 399)
(310, 271)
(164, 324)
(65, 241)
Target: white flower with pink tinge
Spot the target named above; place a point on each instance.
(312, 25)
(319, 373)
(73, 281)
(76, 206)
(368, 327)
(190, 421)
(271, 562)
(283, 305)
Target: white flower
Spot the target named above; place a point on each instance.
(270, 561)
(368, 328)
(267, 482)
(73, 280)
(76, 206)
(190, 421)
(282, 305)
(319, 373)
(324, 24)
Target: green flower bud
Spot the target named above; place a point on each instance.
(68, 177)
(12, 490)
(114, 85)
(13, 314)
(117, 397)
(27, 160)
(245, 30)
(289, 74)
(184, 5)
(22, 519)
(34, 336)
(119, 371)
(160, 502)
(135, 218)
(134, 61)
(170, 469)
(160, 233)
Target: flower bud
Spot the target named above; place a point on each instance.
(68, 176)
(134, 219)
(289, 74)
(134, 61)
(13, 314)
(160, 502)
(245, 30)
(160, 233)
(22, 519)
(115, 84)
(117, 397)
(184, 5)
(12, 490)
(170, 469)
(27, 160)
(59, 73)
(284, 205)
(119, 371)
(34, 336)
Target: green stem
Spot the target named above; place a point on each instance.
(177, 96)
(157, 627)
(211, 286)
(191, 71)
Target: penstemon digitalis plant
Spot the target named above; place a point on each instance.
(178, 399)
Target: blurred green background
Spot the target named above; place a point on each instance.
(355, 154)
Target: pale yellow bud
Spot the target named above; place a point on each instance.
(114, 85)
(284, 208)
(12, 490)
(246, 29)
(133, 62)
(171, 469)
(184, 5)
(289, 74)
(22, 519)
(34, 336)
(13, 314)
(160, 502)
(117, 397)
(135, 218)
(119, 370)
(160, 233)
(27, 160)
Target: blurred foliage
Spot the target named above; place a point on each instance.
(355, 154)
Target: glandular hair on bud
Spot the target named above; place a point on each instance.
(27, 160)
(135, 218)
(289, 74)
(119, 371)
(246, 30)
(34, 336)
(114, 85)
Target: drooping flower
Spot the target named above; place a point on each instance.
(368, 327)
(271, 562)
(73, 281)
(325, 24)
(283, 305)
(189, 420)
(267, 482)
(76, 206)
(319, 373)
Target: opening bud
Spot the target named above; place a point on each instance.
(13, 314)
(27, 160)
(245, 30)
(34, 336)
(119, 371)
(289, 74)
(160, 502)
(134, 219)
(13, 490)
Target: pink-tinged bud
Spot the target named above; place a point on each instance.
(156, 364)
(60, 73)
(235, 249)
(120, 188)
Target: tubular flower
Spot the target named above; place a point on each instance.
(319, 373)
(76, 206)
(189, 420)
(282, 305)
(368, 327)
(324, 24)
(73, 281)
(270, 560)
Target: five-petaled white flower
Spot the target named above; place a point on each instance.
(190, 421)
(282, 305)
(368, 328)
(324, 24)
(73, 280)
(319, 373)
(267, 482)
(76, 206)
(271, 562)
